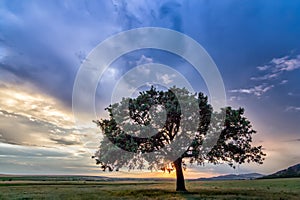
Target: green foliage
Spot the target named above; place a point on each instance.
(134, 115)
(234, 143)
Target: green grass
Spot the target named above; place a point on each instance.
(241, 189)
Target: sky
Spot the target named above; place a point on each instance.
(254, 43)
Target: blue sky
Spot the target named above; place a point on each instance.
(254, 43)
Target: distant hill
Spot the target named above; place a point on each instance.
(232, 177)
(293, 171)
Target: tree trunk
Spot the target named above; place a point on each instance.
(180, 185)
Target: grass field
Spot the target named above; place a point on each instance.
(241, 189)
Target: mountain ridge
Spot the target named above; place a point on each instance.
(247, 176)
(292, 171)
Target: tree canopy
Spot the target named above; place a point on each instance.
(165, 130)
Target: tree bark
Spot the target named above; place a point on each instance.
(180, 185)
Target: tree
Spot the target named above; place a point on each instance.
(163, 130)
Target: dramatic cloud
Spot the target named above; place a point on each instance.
(32, 119)
(257, 90)
(24, 100)
(277, 66)
(17, 150)
(37, 130)
(266, 77)
(44, 47)
(285, 64)
(274, 71)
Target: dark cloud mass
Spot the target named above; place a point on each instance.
(22, 130)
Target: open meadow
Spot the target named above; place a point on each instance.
(239, 189)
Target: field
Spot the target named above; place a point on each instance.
(240, 189)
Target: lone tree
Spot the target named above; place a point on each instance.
(129, 140)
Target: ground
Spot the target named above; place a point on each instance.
(240, 189)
